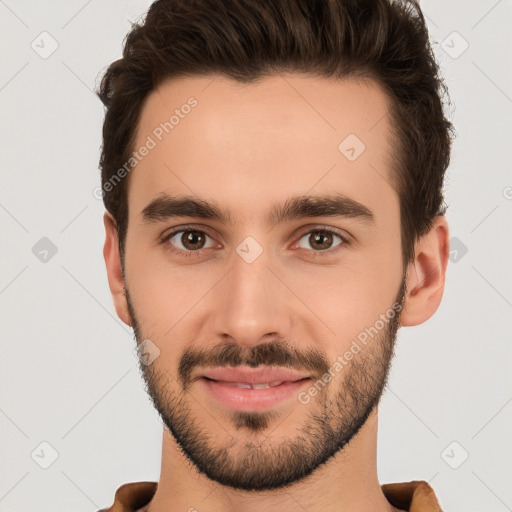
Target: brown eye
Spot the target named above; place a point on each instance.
(319, 240)
(188, 240)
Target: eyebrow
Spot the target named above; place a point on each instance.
(166, 207)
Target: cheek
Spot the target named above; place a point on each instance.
(153, 289)
(348, 299)
(169, 299)
(345, 304)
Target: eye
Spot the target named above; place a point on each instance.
(321, 240)
(188, 241)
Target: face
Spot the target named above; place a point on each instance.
(260, 236)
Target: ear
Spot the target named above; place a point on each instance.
(113, 263)
(426, 274)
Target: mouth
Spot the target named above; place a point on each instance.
(247, 385)
(267, 376)
(248, 395)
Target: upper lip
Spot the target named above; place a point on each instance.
(253, 375)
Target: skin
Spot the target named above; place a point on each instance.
(247, 148)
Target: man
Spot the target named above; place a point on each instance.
(272, 173)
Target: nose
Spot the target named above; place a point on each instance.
(252, 303)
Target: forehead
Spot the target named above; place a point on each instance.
(284, 135)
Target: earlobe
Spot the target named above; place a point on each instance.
(113, 264)
(426, 275)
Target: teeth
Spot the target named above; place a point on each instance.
(238, 385)
(252, 386)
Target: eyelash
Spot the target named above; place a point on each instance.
(327, 252)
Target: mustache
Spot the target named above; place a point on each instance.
(272, 353)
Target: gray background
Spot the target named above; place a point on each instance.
(68, 374)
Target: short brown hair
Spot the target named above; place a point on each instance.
(249, 39)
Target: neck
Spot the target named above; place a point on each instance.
(348, 482)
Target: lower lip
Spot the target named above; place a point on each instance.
(253, 399)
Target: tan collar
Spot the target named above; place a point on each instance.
(414, 496)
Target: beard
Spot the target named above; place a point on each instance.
(252, 460)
